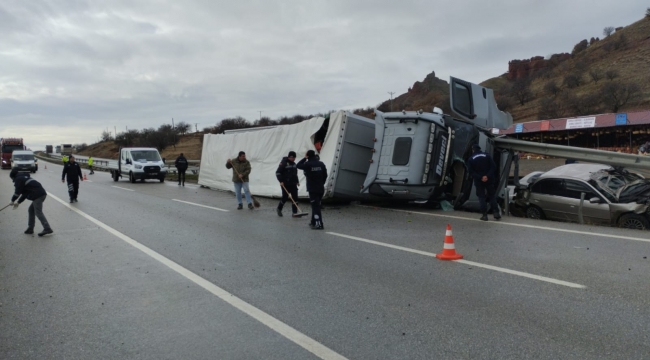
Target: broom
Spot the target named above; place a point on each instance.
(300, 214)
(5, 207)
(255, 202)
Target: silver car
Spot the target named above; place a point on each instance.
(611, 196)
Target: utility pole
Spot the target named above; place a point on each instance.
(115, 128)
(391, 100)
(260, 115)
(174, 131)
(196, 127)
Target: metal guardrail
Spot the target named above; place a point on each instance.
(106, 164)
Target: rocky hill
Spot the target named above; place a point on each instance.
(190, 145)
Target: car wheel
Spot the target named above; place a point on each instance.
(633, 221)
(533, 212)
(131, 178)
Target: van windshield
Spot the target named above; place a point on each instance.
(145, 155)
(23, 157)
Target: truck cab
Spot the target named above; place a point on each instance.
(23, 160)
(421, 156)
(139, 164)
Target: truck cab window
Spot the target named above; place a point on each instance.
(402, 151)
(462, 99)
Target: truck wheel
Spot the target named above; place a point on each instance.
(533, 212)
(633, 221)
(115, 175)
(131, 178)
(162, 179)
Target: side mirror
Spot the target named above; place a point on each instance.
(594, 200)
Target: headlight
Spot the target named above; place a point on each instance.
(138, 166)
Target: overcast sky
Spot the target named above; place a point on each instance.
(71, 68)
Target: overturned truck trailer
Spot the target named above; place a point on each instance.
(347, 141)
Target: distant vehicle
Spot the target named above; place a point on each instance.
(24, 160)
(612, 196)
(58, 149)
(48, 149)
(139, 164)
(66, 149)
(7, 146)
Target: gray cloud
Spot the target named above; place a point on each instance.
(74, 68)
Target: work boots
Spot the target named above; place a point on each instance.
(45, 232)
(29, 231)
(484, 217)
(279, 211)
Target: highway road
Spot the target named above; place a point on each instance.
(156, 271)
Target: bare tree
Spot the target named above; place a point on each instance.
(182, 127)
(572, 81)
(504, 103)
(106, 136)
(608, 31)
(551, 88)
(521, 90)
(647, 12)
(595, 75)
(616, 95)
(580, 47)
(549, 109)
(582, 105)
(611, 74)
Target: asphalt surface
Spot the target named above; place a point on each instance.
(93, 291)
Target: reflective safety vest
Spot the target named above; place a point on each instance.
(65, 158)
(90, 161)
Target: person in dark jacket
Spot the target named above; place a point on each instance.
(287, 174)
(30, 189)
(483, 170)
(181, 166)
(73, 171)
(316, 174)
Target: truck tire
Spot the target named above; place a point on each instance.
(162, 179)
(131, 178)
(633, 221)
(115, 175)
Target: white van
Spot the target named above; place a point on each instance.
(23, 160)
(139, 164)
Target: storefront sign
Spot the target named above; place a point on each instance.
(621, 119)
(580, 123)
(545, 125)
(495, 131)
(519, 128)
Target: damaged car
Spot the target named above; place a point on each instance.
(588, 193)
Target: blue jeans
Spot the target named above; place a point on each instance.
(238, 187)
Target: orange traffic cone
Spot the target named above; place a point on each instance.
(449, 250)
(85, 178)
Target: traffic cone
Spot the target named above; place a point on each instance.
(85, 178)
(45, 166)
(449, 250)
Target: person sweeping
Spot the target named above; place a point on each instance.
(30, 189)
(287, 175)
(241, 169)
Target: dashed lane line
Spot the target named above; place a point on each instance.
(485, 266)
(276, 325)
(518, 225)
(117, 187)
(203, 206)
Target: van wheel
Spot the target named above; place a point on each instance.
(131, 178)
(116, 176)
(162, 179)
(533, 212)
(633, 221)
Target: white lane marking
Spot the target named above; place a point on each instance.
(519, 225)
(276, 325)
(205, 206)
(88, 181)
(117, 187)
(485, 266)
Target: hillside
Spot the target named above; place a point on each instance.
(190, 145)
(568, 85)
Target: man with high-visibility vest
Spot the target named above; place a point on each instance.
(90, 165)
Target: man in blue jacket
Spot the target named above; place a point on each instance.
(316, 174)
(72, 171)
(483, 170)
(30, 189)
(181, 167)
(287, 175)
